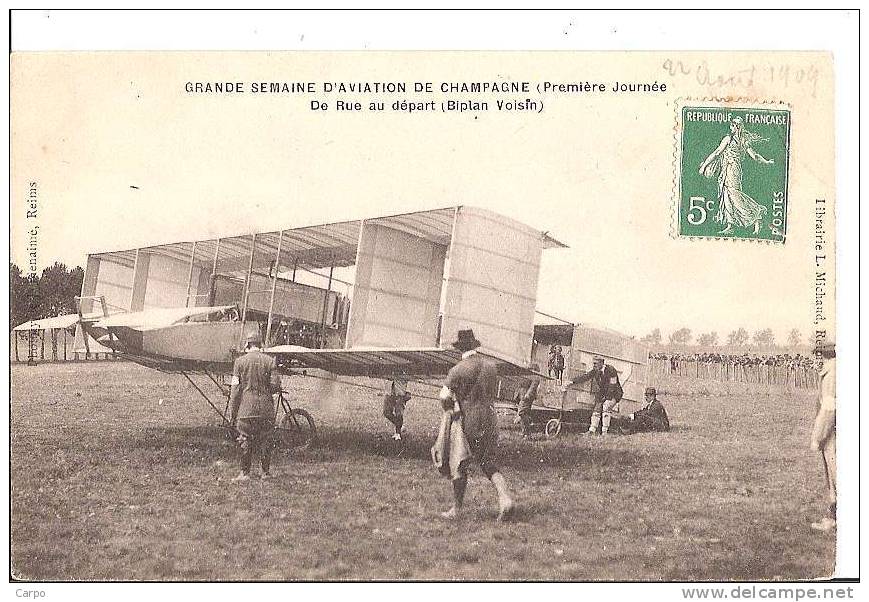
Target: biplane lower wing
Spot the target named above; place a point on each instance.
(383, 362)
(174, 365)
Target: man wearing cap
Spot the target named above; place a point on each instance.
(254, 382)
(470, 390)
(652, 416)
(824, 429)
(607, 391)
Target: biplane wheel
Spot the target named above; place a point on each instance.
(553, 427)
(296, 430)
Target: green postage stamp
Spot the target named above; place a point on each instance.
(733, 172)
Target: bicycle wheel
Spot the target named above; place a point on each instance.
(296, 430)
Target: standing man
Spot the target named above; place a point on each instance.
(470, 390)
(607, 391)
(254, 382)
(527, 396)
(824, 430)
(551, 364)
(559, 364)
(394, 402)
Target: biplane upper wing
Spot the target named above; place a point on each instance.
(384, 362)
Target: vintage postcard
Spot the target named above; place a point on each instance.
(329, 316)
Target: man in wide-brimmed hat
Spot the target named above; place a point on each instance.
(824, 429)
(470, 389)
(252, 406)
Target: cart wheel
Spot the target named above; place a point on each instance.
(553, 427)
(296, 430)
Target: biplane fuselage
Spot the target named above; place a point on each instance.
(201, 334)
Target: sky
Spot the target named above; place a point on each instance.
(122, 156)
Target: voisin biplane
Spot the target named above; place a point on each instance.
(381, 297)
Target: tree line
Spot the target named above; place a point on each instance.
(735, 338)
(45, 295)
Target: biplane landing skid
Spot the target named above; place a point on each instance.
(185, 368)
(294, 430)
(294, 427)
(225, 422)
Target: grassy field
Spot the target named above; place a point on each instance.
(119, 472)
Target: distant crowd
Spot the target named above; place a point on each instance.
(774, 369)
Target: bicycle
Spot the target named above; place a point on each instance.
(296, 429)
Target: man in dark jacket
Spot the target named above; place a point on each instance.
(470, 389)
(525, 396)
(607, 391)
(559, 364)
(652, 416)
(394, 403)
(254, 382)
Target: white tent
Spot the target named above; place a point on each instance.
(61, 322)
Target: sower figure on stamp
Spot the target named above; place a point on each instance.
(735, 207)
(470, 391)
(254, 382)
(824, 430)
(607, 391)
